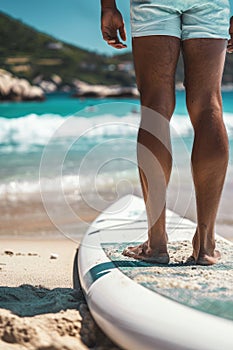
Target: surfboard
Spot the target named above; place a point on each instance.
(147, 306)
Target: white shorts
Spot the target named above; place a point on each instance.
(185, 19)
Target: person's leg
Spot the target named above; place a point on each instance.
(204, 62)
(155, 59)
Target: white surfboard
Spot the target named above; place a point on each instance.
(149, 306)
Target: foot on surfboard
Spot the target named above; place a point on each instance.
(204, 259)
(142, 252)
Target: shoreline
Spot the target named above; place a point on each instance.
(130, 93)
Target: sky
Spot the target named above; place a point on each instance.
(74, 21)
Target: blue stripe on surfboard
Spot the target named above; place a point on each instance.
(217, 301)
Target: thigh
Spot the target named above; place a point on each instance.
(155, 60)
(204, 63)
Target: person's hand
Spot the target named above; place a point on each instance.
(112, 25)
(230, 42)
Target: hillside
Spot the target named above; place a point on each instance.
(27, 53)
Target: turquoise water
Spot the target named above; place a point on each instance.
(61, 104)
(56, 104)
(89, 148)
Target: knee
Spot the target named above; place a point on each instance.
(160, 100)
(205, 108)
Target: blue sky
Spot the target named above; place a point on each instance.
(74, 21)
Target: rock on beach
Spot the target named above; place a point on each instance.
(87, 90)
(16, 89)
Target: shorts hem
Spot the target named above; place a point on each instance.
(151, 33)
(206, 36)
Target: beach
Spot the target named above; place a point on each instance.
(39, 309)
(62, 162)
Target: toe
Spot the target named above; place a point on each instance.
(191, 260)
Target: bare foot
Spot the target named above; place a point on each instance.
(206, 255)
(204, 259)
(208, 259)
(143, 252)
(191, 260)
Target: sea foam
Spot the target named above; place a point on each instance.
(19, 134)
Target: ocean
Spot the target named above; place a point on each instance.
(66, 159)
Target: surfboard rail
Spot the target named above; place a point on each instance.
(133, 316)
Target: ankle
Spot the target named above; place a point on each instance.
(158, 247)
(207, 251)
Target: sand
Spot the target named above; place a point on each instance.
(40, 310)
(38, 307)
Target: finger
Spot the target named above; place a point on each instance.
(109, 34)
(230, 42)
(122, 32)
(117, 45)
(230, 50)
(113, 42)
(116, 42)
(105, 36)
(120, 46)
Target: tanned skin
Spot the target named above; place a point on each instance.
(204, 62)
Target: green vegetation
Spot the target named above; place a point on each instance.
(28, 53)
